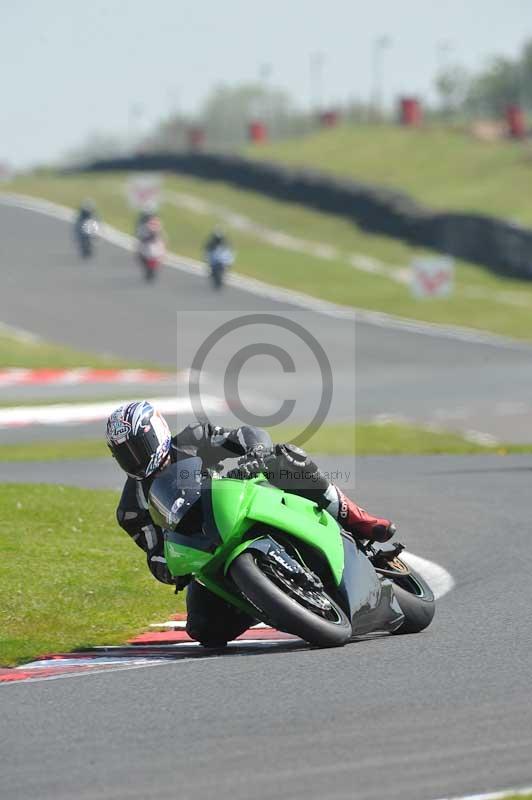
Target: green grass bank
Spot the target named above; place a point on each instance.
(82, 582)
(439, 166)
(28, 353)
(361, 440)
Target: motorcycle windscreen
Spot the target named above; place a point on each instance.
(174, 491)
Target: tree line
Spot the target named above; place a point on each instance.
(224, 116)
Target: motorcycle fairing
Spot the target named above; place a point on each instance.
(239, 505)
(230, 510)
(368, 599)
(174, 491)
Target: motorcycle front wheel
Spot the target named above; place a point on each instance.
(305, 612)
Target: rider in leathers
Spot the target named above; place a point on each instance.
(86, 212)
(210, 620)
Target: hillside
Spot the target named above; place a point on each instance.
(439, 167)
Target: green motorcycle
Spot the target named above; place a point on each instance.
(283, 560)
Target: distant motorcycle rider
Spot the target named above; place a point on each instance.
(87, 211)
(86, 227)
(218, 255)
(216, 239)
(140, 440)
(151, 243)
(148, 227)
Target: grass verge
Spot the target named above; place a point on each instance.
(69, 577)
(439, 166)
(29, 353)
(481, 299)
(55, 450)
(527, 796)
(368, 439)
(341, 439)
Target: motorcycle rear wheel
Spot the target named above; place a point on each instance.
(415, 598)
(86, 248)
(217, 278)
(291, 612)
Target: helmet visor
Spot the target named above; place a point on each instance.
(132, 457)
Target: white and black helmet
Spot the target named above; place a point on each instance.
(139, 438)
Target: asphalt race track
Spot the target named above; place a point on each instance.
(104, 306)
(440, 714)
(445, 713)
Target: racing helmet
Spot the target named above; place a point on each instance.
(139, 438)
(88, 206)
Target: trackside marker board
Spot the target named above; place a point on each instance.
(144, 191)
(432, 276)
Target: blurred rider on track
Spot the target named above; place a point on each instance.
(148, 226)
(216, 239)
(87, 211)
(151, 243)
(86, 227)
(140, 440)
(219, 256)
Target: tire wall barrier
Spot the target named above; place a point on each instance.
(497, 244)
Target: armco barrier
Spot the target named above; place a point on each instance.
(500, 245)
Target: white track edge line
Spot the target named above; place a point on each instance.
(439, 579)
(253, 286)
(161, 662)
(61, 413)
(492, 795)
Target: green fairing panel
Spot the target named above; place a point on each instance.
(237, 505)
(183, 560)
(231, 500)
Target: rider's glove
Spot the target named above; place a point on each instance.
(159, 568)
(289, 455)
(181, 582)
(295, 471)
(254, 461)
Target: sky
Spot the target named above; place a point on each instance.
(70, 68)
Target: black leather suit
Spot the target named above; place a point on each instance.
(210, 619)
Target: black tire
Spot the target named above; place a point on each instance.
(284, 612)
(86, 247)
(416, 600)
(217, 278)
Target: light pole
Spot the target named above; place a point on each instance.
(173, 94)
(443, 51)
(134, 116)
(522, 83)
(265, 109)
(317, 61)
(265, 71)
(380, 44)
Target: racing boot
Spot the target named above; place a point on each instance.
(361, 525)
